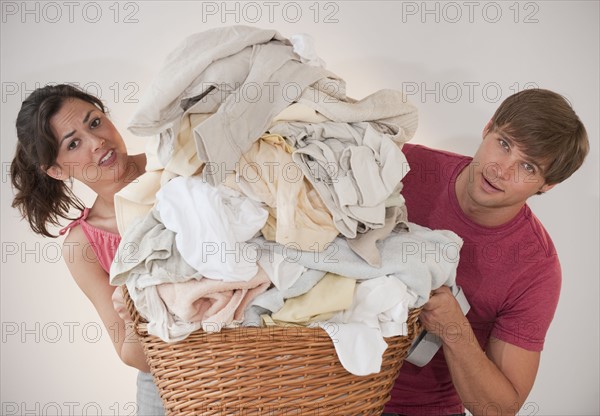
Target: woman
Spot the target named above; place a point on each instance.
(64, 134)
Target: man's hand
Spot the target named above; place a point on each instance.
(502, 375)
(442, 315)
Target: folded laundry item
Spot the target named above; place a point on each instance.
(381, 303)
(365, 244)
(354, 168)
(266, 173)
(282, 273)
(138, 197)
(274, 298)
(332, 294)
(180, 76)
(150, 265)
(304, 46)
(379, 309)
(207, 304)
(375, 308)
(422, 258)
(388, 111)
(359, 348)
(212, 225)
(243, 76)
(147, 256)
(299, 112)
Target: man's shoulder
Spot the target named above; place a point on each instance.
(413, 150)
(433, 166)
(541, 235)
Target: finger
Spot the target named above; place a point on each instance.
(432, 303)
(441, 289)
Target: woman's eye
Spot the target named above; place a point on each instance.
(95, 123)
(72, 145)
(503, 144)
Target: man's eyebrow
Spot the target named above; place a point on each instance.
(66, 136)
(526, 158)
(507, 139)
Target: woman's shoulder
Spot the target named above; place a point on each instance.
(102, 218)
(75, 249)
(73, 231)
(79, 252)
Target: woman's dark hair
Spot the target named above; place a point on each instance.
(42, 200)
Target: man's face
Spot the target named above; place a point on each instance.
(501, 175)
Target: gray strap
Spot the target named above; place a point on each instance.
(427, 344)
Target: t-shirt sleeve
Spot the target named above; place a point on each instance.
(526, 314)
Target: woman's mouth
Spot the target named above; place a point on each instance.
(108, 158)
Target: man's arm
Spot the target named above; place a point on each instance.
(497, 381)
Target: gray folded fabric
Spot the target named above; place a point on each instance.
(423, 259)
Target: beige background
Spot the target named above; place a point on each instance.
(457, 61)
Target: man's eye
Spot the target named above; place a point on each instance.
(529, 168)
(95, 123)
(503, 143)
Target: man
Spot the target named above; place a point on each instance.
(508, 269)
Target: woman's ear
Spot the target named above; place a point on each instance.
(55, 172)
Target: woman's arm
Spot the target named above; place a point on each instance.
(94, 282)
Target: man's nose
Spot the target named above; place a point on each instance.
(501, 170)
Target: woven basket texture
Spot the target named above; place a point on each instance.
(267, 371)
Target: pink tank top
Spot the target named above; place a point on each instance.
(103, 243)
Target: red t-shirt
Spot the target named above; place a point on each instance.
(510, 275)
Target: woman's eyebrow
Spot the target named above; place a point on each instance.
(85, 120)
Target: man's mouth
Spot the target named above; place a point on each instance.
(491, 184)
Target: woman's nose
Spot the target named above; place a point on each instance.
(97, 143)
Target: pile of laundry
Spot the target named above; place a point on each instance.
(272, 198)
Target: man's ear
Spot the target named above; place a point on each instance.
(55, 172)
(487, 128)
(547, 187)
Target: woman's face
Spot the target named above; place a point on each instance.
(90, 148)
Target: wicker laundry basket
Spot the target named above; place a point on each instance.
(266, 371)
